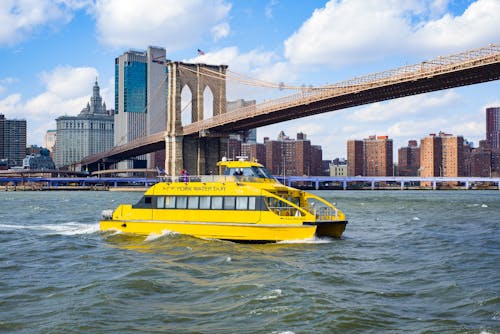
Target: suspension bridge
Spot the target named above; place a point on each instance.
(203, 136)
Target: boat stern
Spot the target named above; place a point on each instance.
(333, 229)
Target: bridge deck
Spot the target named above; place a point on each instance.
(466, 68)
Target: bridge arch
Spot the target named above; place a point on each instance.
(203, 80)
(186, 105)
(208, 103)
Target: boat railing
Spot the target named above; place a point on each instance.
(324, 212)
(213, 178)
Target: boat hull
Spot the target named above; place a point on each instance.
(333, 229)
(239, 232)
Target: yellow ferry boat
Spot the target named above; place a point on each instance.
(244, 203)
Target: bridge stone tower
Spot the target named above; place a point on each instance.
(198, 154)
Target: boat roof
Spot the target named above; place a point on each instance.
(239, 164)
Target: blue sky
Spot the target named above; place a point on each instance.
(51, 51)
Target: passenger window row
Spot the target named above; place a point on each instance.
(210, 202)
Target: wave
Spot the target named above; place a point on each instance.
(154, 236)
(69, 228)
(313, 240)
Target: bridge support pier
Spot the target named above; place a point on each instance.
(201, 154)
(173, 155)
(198, 155)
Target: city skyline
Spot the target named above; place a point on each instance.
(312, 43)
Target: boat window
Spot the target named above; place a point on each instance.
(160, 202)
(144, 203)
(241, 203)
(251, 203)
(193, 202)
(217, 202)
(181, 202)
(170, 202)
(205, 202)
(261, 172)
(229, 203)
(271, 202)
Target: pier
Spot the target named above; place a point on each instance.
(310, 182)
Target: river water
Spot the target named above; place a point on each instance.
(409, 262)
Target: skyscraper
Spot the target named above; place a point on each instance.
(88, 133)
(493, 127)
(409, 159)
(140, 100)
(378, 156)
(49, 141)
(286, 156)
(254, 151)
(370, 157)
(441, 155)
(355, 157)
(12, 141)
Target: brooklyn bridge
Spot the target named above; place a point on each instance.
(199, 145)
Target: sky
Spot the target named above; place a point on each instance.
(52, 51)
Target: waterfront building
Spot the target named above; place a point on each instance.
(441, 155)
(338, 167)
(286, 156)
(254, 151)
(378, 156)
(49, 141)
(140, 101)
(12, 141)
(355, 157)
(493, 127)
(316, 166)
(88, 133)
(40, 160)
(495, 162)
(233, 148)
(478, 160)
(370, 157)
(482, 161)
(409, 159)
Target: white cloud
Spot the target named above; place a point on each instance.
(175, 24)
(478, 26)
(220, 31)
(412, 106)
(21, 18)
(69, 82)
(343, 31)
(354, 31)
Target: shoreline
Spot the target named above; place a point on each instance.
(143, 189)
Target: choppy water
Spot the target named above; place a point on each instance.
(417, 262)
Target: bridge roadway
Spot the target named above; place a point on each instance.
(54, 182)
(466, 68)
